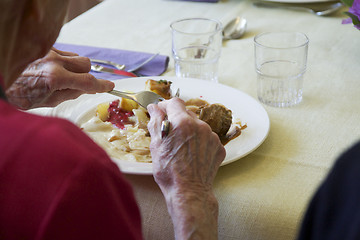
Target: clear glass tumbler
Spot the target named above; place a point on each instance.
(196, 47)
(280, 62)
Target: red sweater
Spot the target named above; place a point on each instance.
(56, 183)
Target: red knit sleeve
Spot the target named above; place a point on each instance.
(94, 201)
(56, 183)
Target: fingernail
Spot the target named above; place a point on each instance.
(110, 84)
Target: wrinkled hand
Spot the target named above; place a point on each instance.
(191, 153)
(184, 166)
(57, 77)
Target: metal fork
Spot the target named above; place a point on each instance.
(122, 66)
(114, 64)
(143, 98)
(319, 9)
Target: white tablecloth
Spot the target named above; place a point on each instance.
(263, 195)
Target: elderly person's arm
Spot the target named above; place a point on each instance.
(185, 164)
(57, 77)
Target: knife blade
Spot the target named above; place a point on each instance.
(99, 68)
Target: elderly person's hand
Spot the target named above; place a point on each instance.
(57, 77)
(184, 165)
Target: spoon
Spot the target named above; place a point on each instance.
(235, 29)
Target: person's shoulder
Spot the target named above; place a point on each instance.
(353, 152)
(349, 161)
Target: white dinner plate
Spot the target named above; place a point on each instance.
(299, 1)
(244, 107)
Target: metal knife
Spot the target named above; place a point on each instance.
(99, 68)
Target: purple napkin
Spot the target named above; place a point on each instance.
(155, 67)
(210, 1)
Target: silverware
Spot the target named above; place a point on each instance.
(114, 64)
(99, 68)
(143, 98)
(122, 66)
(319, 9)
(234, 29)
(143, 63)
(177, 94)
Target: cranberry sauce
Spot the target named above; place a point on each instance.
(118, 116)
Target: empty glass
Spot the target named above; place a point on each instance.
(280, 62)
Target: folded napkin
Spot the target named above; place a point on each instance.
(155, 67)
(210, 1)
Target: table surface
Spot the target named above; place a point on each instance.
(263, 195)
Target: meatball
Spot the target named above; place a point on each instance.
(218, 117)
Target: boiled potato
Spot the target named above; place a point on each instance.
(102, 111)
(128, 105)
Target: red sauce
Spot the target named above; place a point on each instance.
(118, 116)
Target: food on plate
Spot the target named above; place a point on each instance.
(102, 111)
(120, 126)
(123, 133)
(218, 117)
(128, 104)
(161, 87)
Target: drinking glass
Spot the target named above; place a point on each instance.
(280, 62)
(196, 47)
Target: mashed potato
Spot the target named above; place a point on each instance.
(128, 142)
